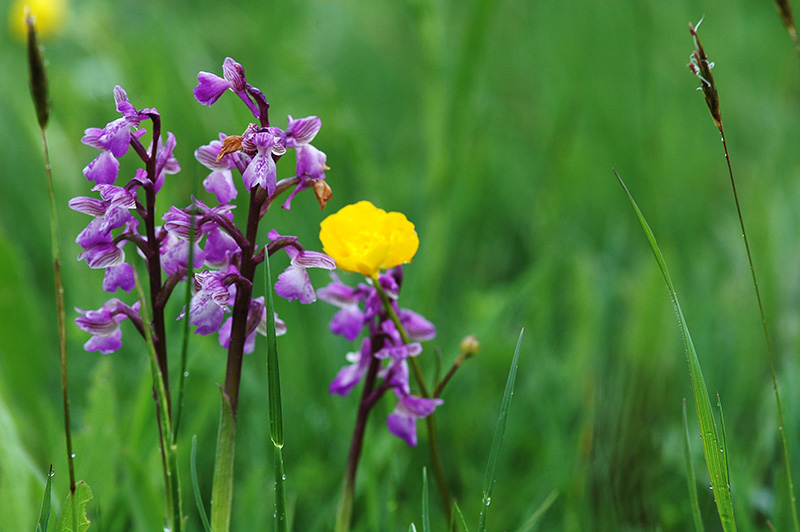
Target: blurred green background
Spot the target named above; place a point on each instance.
(494, 126)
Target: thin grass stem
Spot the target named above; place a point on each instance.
(784, 445)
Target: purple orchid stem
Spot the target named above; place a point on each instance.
(154, 259)
(241, 307)
(345, 510)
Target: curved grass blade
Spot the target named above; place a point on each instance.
(460, 517)
(198, 498)
(690, 478)
(499, 433)
(533, 520)
(44, 513)
(715, 452)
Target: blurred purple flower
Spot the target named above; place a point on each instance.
(104, 325)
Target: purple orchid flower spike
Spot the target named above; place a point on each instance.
(104, 325)
(210, 86)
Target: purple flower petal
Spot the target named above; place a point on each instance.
(119, 276)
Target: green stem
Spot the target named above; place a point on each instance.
(61, 318)
(169, 450)
(345, 511)
(766, 337)
(433, 440)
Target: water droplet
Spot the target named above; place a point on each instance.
(185, 373)
(488, 501)
(72, 455)
(283, 477)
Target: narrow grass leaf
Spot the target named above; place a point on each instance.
(426, 511)
(222, 489)
(715, 455)
(723, 444)
(275, 408)
(412, 528)
(499, 433)
(460, 517)
(690, 478)
(533, 520)
(44, 513)
(273, 375)
(81, 496)
(198, 497)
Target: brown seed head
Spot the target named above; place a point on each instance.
(38, 74)
(701, 67)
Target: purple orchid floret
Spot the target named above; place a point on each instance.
(349, 376)
(310, 168)
(254, 325)
(174, 253)
(394, 347)
(119, 276)
(220, 181)
(209, 304)
(99, 249)
(221, 249)
(262, 170)
(166, 163)
(210, 86)
(417, 327)
(113, 140)
(294, 282)
(104, 325)
(402, 422)
(350, 319)
(302, 131)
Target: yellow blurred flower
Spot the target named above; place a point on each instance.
(365, 239)
(48, 17)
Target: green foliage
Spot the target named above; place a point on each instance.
(713, 438)
(74, 511)
(44, 513)
(492, 125)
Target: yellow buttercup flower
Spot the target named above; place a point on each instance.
(48, 16)
(365, 239)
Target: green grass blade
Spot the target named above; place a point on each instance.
(273, 375)
(499, 433)
(460, 517)
(690, 478)
(222, 489)
(412, 528)
(198, 498)
(714, 453)
(533, 520)
(426, 511)
(275, 408)
(81, 497)
(723, 444)
(44, 514)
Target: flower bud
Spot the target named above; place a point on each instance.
(469, 346)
